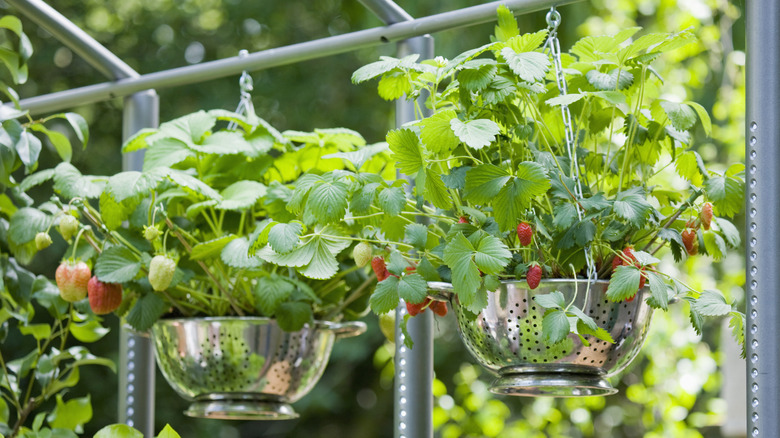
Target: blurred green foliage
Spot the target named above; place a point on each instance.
(672, 390)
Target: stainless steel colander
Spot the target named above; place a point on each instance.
(244, 367)
(506, 338)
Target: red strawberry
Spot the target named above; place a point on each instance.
(380, 268)
(72, 279)
(631, 298)
(439, 308)
(463, 220)
(628, 254)
(525, 233)
(691, 241)
(642, 279)
(533, 276)
(706, 215)
(103, 297)
(616, 261)
(416, 309)
(161, 270)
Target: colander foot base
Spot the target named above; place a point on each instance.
(241, 409)
(547, 384)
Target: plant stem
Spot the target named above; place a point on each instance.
(352, 297)
(205, 268)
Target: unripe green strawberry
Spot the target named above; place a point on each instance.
(103, 297)
(69, 225)
(362, 254)
(525, 233)
(42, 240)
(533, 276)
(380, 268)
(387, 325)
(72, 279)
(706, 215)
(151, 233)
(161, 270)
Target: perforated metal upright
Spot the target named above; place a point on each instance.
(762, 154)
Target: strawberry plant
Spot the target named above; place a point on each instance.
(206, 228)
(498, 195)
(42, 335)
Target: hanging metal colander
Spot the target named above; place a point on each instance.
(244, 367)
(506, 338)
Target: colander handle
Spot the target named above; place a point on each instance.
(439, 290)
(348, 329)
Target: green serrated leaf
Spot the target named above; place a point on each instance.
(436, 132)
(166, 152)
(406, 151)
(552, 300)
(416, 235)
(632, 206)
(484, 182)
(711, 303)
(117, 264)
(435, 190)
(385, 297)
(284, 237)
(716, 246)
(292, 316)
(26, 223)
(507, 24)
(394, 85)
(192, 185)
(476, 75)
(658, 289)
(729, 231)
(88, 331)
(412, 288)
(241, 195)
(616, 79)
(270, 292)
(527, 42)
(529, 66)
(681, 115)
(555, 326)
(475, 133)
(392, 200)
(236, 254)
(210, 248)
(146, 311)
(726, 193)
(375, 69)
(624, 283)
(70, 183)
(168, 432)
(132, 184)
(490, 254)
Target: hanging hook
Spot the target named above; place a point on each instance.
(553, 19)
(246, 84)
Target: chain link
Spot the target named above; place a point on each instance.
(553, 44)
(246, 85)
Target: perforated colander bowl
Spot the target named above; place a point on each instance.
(506, 338)
(244, 367)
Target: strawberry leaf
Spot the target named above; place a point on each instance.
(270, 292)
(146, 311)
(624, 283)
(458, 255)
(476, 134)
(436, 191)
(507, 25)
(392, 200)
(385, 297)
(406, 151)
(284, 237)
(241, 195)
(659, 290)
(328, 201)
(211, 248)
(292, 316)
(553, 300)
(416, 235)
(490, 253)
(529, 66)
(729, 231)
(726, 193)
(412, 288)
(737, 324)
(632, 206)
(484, 182)
(555, 326)
(477, 74)
(436, 132)
(117, 264)
(165, 152)
(616, 79)
(711, 303)
(681, 115)
(131, 184)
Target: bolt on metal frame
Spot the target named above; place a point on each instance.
(762, 139)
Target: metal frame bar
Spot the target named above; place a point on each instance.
(762, 154)
(96, 55)
(281, 56)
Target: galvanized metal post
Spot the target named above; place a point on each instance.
(413, 367)
(762, 152)
(136, 355)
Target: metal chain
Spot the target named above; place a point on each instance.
(246, 85)
(553, 44)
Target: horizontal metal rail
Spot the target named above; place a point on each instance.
(281, 56)
(387, 11)
(86, 47)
